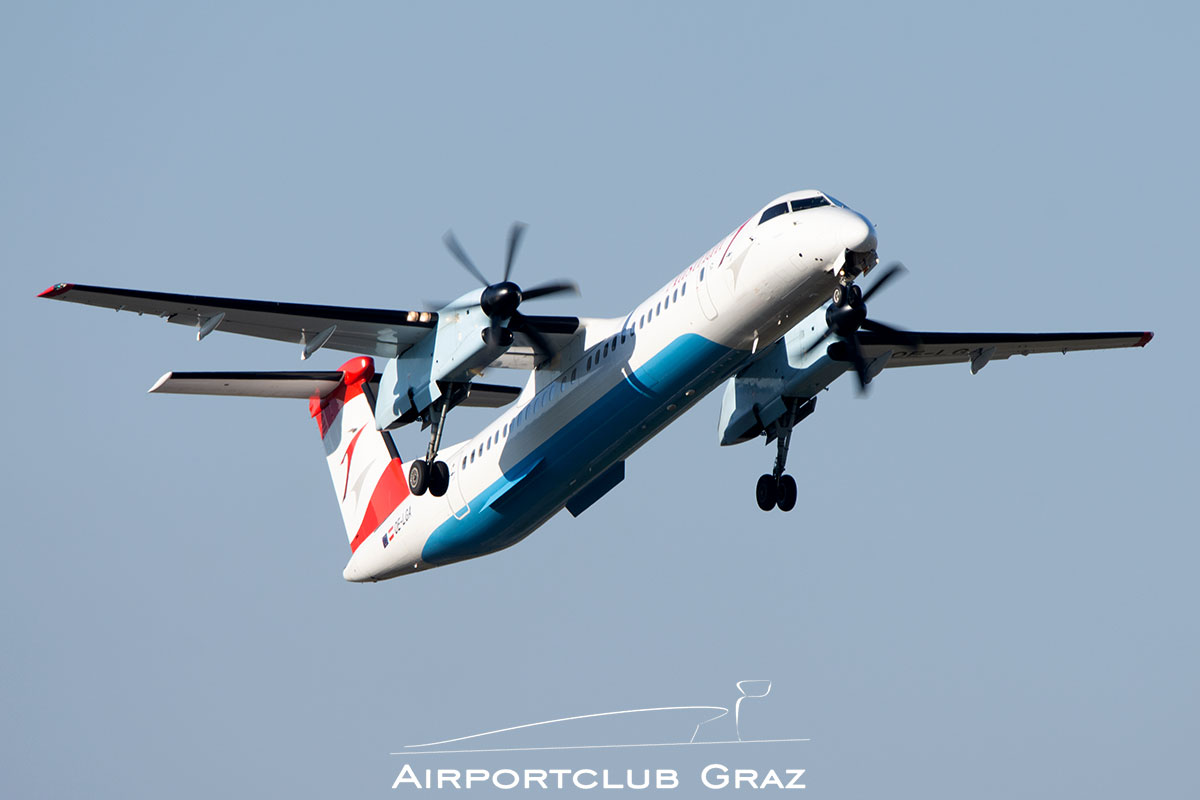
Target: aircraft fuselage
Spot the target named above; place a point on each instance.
(564, 440)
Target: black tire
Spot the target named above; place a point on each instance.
(855, 294)
(787, 493)
(439, 478)
(418, 477)
(765, 492)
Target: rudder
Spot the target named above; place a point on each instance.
(368, 476)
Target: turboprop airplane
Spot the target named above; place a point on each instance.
(772, 313)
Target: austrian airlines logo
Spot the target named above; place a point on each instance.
(346, 459)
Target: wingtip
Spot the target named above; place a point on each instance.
(1145, 340)
(159, 383)
(57, 289)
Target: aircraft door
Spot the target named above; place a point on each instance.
(455, 497)
(704, 278)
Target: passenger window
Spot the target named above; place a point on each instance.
(506, 429)
(589, 364)
(675, 295)
(606, 349)
(683, 289)
(614, 343)
(773, 212)
(667, 302)
(464, 466)
(658, 308)
(702, 273)
(472, 456)
(623, 338)
(489, 443)
(642, 321)
(574, 372)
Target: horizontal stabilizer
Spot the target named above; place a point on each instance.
(301, 385)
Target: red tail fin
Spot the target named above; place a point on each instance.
(368, 476)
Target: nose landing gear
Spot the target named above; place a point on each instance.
(778, 489)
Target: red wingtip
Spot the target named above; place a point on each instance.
(57, 289)
(1146, 337)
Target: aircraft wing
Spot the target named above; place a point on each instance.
(378, 332)
(978, 349)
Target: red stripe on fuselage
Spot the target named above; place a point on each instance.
(390, 492)
(731, 241)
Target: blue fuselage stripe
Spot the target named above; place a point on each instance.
(605, 432)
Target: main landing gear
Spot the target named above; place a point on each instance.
(779, 489)
(430, 474)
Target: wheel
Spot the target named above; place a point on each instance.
(787, 493)
(418, 477)
(439, 478)
(839, 294)
(765, 493)
(855, 294)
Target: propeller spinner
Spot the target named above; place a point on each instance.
(500, 301)
(848, 313)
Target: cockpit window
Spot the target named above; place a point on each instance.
(773, 212)
(809, 202)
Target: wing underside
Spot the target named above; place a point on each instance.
(370, 331)
(979, 348)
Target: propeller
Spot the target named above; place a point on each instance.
(848, 313)
(500, 301)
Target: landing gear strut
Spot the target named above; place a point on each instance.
(431, 475)
(779, 488)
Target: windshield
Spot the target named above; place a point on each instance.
(809, 202)
(796, 205)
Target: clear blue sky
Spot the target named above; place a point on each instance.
(988, 588)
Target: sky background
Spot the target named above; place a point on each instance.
(988, 587)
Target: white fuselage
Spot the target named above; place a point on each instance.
(622, 381)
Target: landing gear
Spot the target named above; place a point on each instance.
(430, 474)
(787, 493)
(418, 477)
(766, 492)
(847, 294)
(778, 489)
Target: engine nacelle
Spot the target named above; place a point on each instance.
(453, 352)
(783, 376)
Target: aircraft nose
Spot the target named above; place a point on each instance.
(857, 232)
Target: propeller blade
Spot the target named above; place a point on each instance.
(514, 239)
(457, 250)
(540, 343)
(906, 337)
(860, 363)
(450, 305)
(894, 271)
(546, 289)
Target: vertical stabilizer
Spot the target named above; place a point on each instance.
(368, 478)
